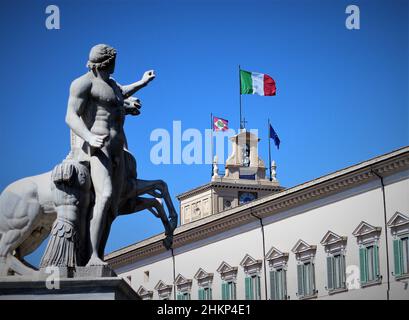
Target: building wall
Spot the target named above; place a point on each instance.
(341, 213)
(397, 199)
(196, 207)
(159, 267)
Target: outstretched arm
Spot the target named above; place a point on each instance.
(79, 92)
(130, 89)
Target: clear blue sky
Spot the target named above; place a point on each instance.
(342, 95)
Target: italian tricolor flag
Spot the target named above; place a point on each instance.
(257, 83)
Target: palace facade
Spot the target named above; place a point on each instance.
(243, 236)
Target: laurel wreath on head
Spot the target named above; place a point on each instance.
(106, 57)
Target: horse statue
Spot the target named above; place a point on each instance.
(29, 209)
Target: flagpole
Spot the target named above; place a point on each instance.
(241, 126)
(211, 143)
(269, 149)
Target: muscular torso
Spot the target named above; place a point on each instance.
(104, 113)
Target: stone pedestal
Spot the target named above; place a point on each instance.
(82, 283)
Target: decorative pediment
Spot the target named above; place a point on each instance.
(249, 261)
(276, 258)
(365, 228)
(225, 267)
(162, 286)
(201, 274)
(397, 220)
(227, 272)
(143, 293)
(332, 238)
(251, 265)
(399, 224)
(302, 246)
(274, 254)
(181, 280)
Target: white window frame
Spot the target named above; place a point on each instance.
(183, 287)
(280, 292)
(204, 282)
(335, 246)
(368, 237)
(254, 280)
(231, 288)
(228, 275)
(252, 270)
(305, 255)
(277, 262)
(399, 227)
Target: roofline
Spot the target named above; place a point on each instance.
(308, 191)
(238, 185)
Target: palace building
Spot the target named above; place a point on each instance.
(243, 236)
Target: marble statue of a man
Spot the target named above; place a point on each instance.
(96, 115)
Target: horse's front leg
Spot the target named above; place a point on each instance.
(136, 204)
(159, 189)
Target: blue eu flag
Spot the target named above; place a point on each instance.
(274, 136)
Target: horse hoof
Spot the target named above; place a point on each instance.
(167, 242)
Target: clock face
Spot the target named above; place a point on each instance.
(245, 197)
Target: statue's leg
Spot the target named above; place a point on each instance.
(19, 267)
(118, 177)
(8, 261)
(101, 175)
(104, 237)
(20, 211)
(84, 221)
(4, 268)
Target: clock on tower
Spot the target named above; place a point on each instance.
(245, 197)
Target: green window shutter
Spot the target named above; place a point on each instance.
(201, 294)
(273, 285)
(313, 288)
(210, 296)
(258, 288)
(249, 289)
(376, 261)
(330, 272)
(279, 285)
(300, 278)
(343, 271)
(224, 291)
(234, 291)
(284, 282)
(362, 265)
(397, 253)
(179, 296)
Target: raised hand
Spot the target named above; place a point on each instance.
(148, 76)
(132, 106)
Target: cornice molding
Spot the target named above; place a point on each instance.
(240, 185)
(302, 194)
(194, 191)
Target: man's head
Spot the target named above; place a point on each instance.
(102, 57)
